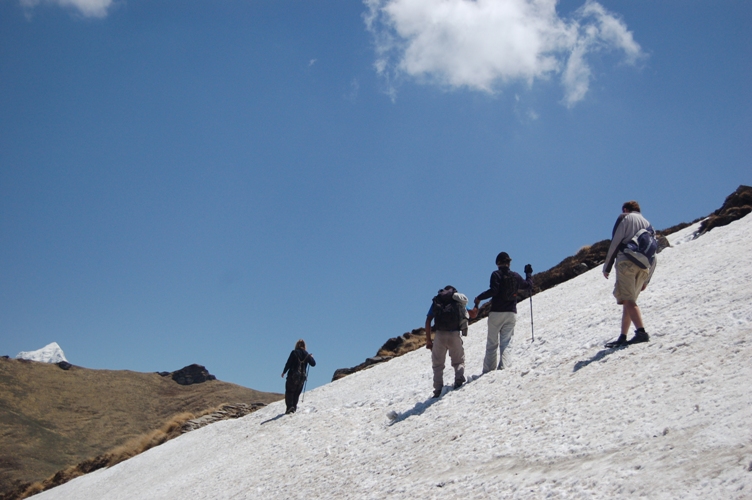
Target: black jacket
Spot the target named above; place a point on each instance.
(497, 304)
(296, 363)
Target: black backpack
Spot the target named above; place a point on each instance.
(300, 373)
(507, 286)
(446, 310)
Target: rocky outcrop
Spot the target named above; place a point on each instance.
(737, 205)
(343, 372)
(225, 412)
(192, 374)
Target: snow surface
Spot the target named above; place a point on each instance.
(667, 419)
(51, 353)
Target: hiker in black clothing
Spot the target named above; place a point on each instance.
(296, 374)
(503, 316)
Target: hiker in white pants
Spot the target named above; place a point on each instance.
(505, 284)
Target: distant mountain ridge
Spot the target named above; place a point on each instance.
(53, 418)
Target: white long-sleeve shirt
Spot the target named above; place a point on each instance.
(627, 225)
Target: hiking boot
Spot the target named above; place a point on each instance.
(622, 340)
(458, 383)
(436, 393)
(640, 335)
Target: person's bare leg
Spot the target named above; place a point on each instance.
(631, 313)
(625, 321)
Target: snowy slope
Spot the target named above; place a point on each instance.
(667, 419)
(51, 353)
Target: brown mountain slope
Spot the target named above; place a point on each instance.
(52, 418)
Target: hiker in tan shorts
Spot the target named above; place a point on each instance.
(633, 271)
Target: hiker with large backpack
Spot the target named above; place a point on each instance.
(449, 315)
(633, 247)
(505, 284)
(296, 369)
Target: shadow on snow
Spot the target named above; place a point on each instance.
(597, 357)
(273, 419)
(418, 409)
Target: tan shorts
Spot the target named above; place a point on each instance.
(629, 281)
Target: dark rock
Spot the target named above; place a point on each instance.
(580, 268)
(225, 412)
(192, 374)
(662, 243)
(64, 365)
(343, 372)
(377, 359)
(737, 205)
(5, 357)
(393, 343)
(163, 374)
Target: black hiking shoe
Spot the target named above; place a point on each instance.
(458, 382)
(436, 393)
(640, 335)
(622, 340)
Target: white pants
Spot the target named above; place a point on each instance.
(500, 331)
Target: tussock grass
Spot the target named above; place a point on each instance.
(133, 447)
(140, 444)
(412, 341)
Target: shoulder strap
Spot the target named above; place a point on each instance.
(616, 224)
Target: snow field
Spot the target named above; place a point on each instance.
(667, 419)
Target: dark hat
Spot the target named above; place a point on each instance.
(503, 257)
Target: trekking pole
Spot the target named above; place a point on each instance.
(306, 382)
(528, 277)
(532, 325)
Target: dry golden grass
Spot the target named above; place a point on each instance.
(411, 343)
(51, 419)
(133, 447)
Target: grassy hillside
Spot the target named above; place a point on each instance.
(51, 418)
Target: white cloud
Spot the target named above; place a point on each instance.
(484, 44)
(87, 8)
(352, 95)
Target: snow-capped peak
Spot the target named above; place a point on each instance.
(51, 353)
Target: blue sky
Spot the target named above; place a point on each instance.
(207, 182)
